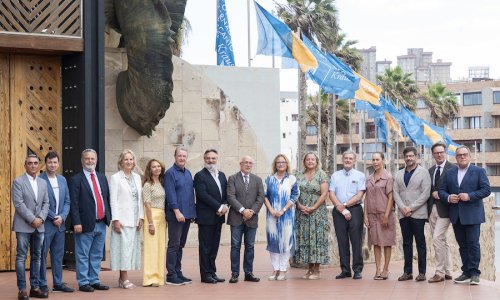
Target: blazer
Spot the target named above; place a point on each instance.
(209, 198)
(27, 207)
(415, 195)
(238, 198)
(64, 202)
(121, 201)
(442, 207)
(476, 184)
(83, 207)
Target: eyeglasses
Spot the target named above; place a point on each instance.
(281, 162)
(462, 155)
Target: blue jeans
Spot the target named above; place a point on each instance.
(34, 241)
(89, 248)
(237, 233)
(53, 241)
(177, 236)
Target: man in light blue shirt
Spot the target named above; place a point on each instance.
(347, 187)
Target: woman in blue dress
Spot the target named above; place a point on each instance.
(281, 194)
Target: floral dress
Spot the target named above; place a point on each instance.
(312, 230)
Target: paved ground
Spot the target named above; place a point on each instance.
(293, 288)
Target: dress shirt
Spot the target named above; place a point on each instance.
(89, 180)
(345, 184)
(34, 185)
(215, 175)
(461, 174)
(55, 187)
(441, 168)
(247, 178)
(178, 183)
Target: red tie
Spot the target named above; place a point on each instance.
(98, 199)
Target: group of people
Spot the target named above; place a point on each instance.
(297, 226)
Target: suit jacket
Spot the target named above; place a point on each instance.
(442, 207)
(238, 198)
(64, 202)
(121, 201)
(83, 206)
(27, 207)
(415, 195)
(476, 184)
(209, 198)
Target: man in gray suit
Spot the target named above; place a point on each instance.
(412, 186)
(245, 194)
(31, 202)
(439, 219)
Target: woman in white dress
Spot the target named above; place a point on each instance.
(127, 218)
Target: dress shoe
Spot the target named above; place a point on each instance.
(420, 277)
(251, 277)
(405, 277)
(62, 288)
(234, 278)
(214, 276)
(38, 293)
(185, 279)
(448, 277)
(22, 295)
(86, 288)
(435, 278)
(100, 287)
(343, 275)
(357, 275)
(209, 279)
(44, 288)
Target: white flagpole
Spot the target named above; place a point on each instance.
(248, 25)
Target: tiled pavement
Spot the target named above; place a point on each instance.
(293, 288)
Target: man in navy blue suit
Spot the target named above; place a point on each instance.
(211, 206)
(54, 224)
(464, 188)
(90, 215)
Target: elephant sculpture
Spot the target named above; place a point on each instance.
(148, 28)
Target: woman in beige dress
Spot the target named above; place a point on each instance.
(153, 196)
(379, 216)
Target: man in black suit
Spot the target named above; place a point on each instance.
(439, 219)
(90, 214)
(211, 206)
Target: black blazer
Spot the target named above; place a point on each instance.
(83, 208)
(442, 206)
(208, 197)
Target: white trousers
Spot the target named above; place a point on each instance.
(280, 261)
(439, 228)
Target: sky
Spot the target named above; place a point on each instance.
(465, 33)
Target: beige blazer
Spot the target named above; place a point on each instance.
(121, 201)
(414, 195)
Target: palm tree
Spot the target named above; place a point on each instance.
(181, 37)
(399, 87)
(442, 103)
(317, 20)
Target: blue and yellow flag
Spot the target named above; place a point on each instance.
(223, 43)
(276, 38)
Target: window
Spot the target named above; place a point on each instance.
(472, 122)
(370, 131)
(473, 99)
(493, 170)
(496, 97)
(312, 130)
(456, 123)
(295, 117)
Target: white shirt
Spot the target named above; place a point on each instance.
(247, 178)
(34, 185)
(215, 175)
(441, 168)
(55, 187)
(461, 174)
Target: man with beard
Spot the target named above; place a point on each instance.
(412, 186)
(211, 206)
(90, 214)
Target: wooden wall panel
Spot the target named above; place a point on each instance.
(5, 181)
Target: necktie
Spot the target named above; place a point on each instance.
(245, 177)
(98, 198)
(437, 175)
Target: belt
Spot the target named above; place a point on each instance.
(99, 220)
(355, 205)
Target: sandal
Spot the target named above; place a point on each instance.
(126, 284)
(384, 275)
(308, 274)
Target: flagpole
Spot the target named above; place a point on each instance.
(248, 25)
(350, 130)
(319, 122)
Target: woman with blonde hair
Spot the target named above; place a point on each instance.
(312, 223)
(127, 218)
(153, 195)
(281, 194)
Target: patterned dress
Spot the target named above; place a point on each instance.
(312, 230)
(280, 231)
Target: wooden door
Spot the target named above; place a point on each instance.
(30, 112)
